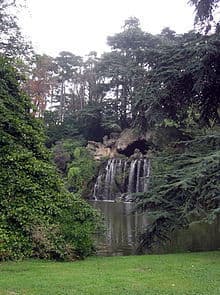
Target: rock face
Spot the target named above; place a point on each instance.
(126, 166)
(127, 137)
(125, 169)
(132, 139)
(120, 144)
(100, 150)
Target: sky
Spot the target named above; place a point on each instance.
(81, 26)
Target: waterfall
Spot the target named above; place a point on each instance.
(138, 176)
(121, 178)
(131, 176)
(111, 170)
(146, 174)
(97, 187)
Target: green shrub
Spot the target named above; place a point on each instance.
(34, 204)
(77, 225)
(81, 170)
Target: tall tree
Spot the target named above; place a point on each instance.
(183, 84)
(69, 88)
(205, 10)
(41, 83)
(12, 42)
(94, 80)
(125, 66)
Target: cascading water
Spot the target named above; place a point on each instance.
(121, 178)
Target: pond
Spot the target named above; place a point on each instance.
(123, 229)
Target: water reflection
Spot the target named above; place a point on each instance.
(198, 237)
(123, 229)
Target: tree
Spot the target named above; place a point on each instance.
(69, 89)
(81, 171)
(41, 82)
(12, 43)
(205, 13)
(184, 187)
(90, 122)
(125, 67)
(181, 90)
(36, 210)
(183, 83)
(95, 86)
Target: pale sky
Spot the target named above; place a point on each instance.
(81, 26)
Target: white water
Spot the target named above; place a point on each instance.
(121, 178)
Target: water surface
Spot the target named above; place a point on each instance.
(123, 228)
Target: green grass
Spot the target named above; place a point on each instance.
(185, 274)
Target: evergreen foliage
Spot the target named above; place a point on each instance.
(205, 13)
(154, 82)
(36, 210)
(184, 186)
(145, 80)
(183, 84)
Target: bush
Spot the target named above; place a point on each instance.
(34, 204)
(81, 171)
(77, 223)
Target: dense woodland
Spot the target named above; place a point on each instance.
(167, 83)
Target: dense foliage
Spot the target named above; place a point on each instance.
(77, 166)
(145, 80)
(183, 84)
(38, 216)
(184, 187)
(205, 16)
(150, 82)
(81, 170)
(154, 82)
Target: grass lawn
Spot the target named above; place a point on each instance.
(185, 274)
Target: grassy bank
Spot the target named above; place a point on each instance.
(185, 274)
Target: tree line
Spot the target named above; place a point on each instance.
(146, 81)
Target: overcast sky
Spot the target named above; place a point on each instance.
(81, 26)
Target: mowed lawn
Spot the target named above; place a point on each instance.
(185, 274)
